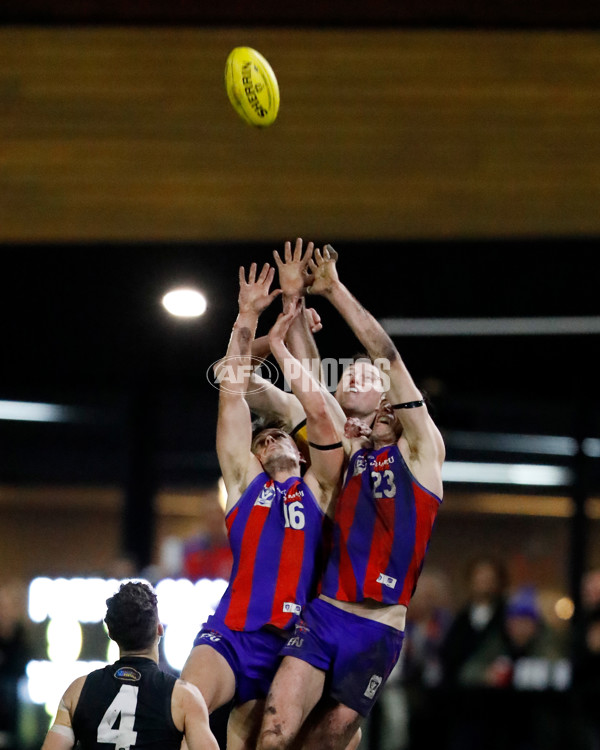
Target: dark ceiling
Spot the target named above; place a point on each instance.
(83, 326)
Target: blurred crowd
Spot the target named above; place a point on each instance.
(490, 666)
(498, 666)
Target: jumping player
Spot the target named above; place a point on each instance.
(274, 518)
(131, 703)
(359, 391)
(350, 637)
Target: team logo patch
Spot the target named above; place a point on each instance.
(360, 465)
(387, 580)
(266, 497)
(292, 607)
(128, 674)
(373, 686)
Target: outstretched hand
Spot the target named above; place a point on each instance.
(324, 271)
(254, 294)
(293, 270)
(282, 325)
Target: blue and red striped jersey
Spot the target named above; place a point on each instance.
(275, 532)
(382, 526)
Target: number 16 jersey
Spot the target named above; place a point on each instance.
(275, 532)
(382, 526)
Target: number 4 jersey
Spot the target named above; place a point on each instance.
(383, 523)
(275, 532)
(127, 705)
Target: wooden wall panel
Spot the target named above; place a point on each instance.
(127, 134)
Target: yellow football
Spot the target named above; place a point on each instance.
(252, 87)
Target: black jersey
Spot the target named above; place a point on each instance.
(127, 705)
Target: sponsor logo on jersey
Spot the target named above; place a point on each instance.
(373, 686)
(387, 580)
(295, 641)
(211, 635)
(266, 497)
(360, 464)
(292, 607)
(294, 493)
(128, 674)
(383, 462)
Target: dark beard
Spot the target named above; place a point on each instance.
(274, 464)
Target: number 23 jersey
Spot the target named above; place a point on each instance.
(127, 705)
(382, 526)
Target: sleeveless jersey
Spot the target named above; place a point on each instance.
(382, 526)
(275, 533)
(127, 705)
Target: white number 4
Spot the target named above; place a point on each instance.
(123, 706)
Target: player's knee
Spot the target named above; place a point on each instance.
(273, 738)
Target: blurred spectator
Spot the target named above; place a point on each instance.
(481, 615)
(590, 590)
(525, 654)
(14, 655)
(428, 620)
(207, 555)
(586, 680)
(517, 676)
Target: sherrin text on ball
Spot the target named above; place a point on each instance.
(252, 87)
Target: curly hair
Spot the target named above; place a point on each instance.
(132, 616)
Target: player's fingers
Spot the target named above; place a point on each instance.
(332, 253)
(277, 257)
(242, 275)
(318, 257)
(264, 273)
(270, 277)
(287, 254)
(308, 252)
(252, 274)
(298, 249)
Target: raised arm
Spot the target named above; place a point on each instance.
(324, 438)
(419, 431)
(275, 403)
(293, 280)
(234, 426)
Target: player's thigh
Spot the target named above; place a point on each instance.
(244, 725)
(296, 688)
(212, 675)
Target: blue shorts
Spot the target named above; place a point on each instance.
(253, 656)
(358, 654)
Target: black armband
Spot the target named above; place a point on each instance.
(329, 447)
(409, 404)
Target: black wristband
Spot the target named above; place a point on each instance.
(329, 447)
(409, 404)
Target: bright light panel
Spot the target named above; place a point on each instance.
(520, 474)
(183, 608)
(29, 411)
(184, 303)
